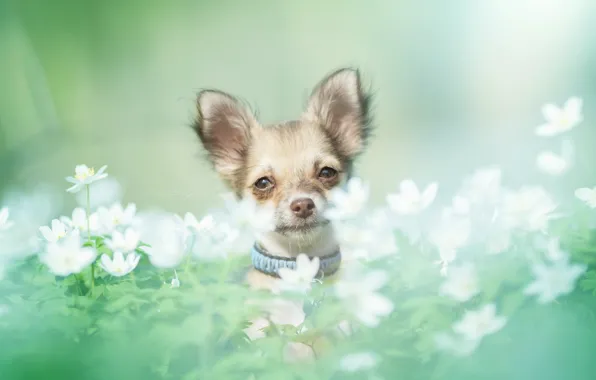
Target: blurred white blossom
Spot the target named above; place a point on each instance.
(249, 219)
(448, 236)
(28, 211)
(361, 297)
(5, 223)
(300, 279)
(556, 164)
(552, 250)
(54, 233)
(85, 175)
(118, 266)
(369, 237)
(103, 193)
(116, 216)
(280, 312)
(214, 239)
(67, 256)
(554, 279)
(360, 361)
(471, 329)
(165, 234)
(498, 239)
(530, 209)
(587, 195)
(455, 344)
(124, 242)
(461, 283)
(476, 324)
(191, 222)
(483, 186)
(560, 119)
(410, 200)
(348, 203)
(79, 221)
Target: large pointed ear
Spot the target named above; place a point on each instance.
(224, 126)
(340, 106)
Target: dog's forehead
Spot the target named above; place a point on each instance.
(289, 145)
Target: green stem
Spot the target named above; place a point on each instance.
(89, 234)
(78, 280)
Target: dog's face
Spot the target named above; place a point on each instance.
(290, 166)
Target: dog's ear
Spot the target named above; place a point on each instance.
(224, 126)
(341, 107)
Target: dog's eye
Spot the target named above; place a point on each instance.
(327, 173)
(263, 183)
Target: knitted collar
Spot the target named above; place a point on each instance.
(266, 263)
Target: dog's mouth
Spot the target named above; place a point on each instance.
(300, 228)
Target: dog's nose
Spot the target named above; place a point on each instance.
(302, 207)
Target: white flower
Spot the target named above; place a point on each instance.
(118, 266)
(84, 176)
(116, 216)
(461, 283)
(368, 237)
(460, 206)
(103, 193)
(587, 195)
(348, 203)
(554, 280)
(479, 323)
(166, 236)
(175, 283)
(249, 219)
(456, 344)
(553, 250)
(79, 220)
(126, 242)
(498, 240)
(246, 213)
(191, 222)
(449, 235)
(554, 163)
(484, 186)
(67, 256)
(5, 224)
(214, 239)
(361, 297)
(301, 278)
(530, 208)
(280, 312)
(560, 120)
(57, 231)
(410, 201)
(360, 361)
(193, 225)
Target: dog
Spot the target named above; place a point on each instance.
(290, 166)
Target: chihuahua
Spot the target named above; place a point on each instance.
(290, 166)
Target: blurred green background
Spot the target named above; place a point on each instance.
(458, 84)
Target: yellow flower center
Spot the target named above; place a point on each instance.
(84, 175)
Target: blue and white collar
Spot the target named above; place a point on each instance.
(266, 263)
